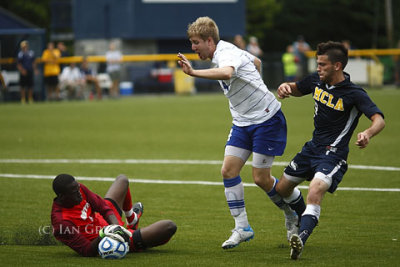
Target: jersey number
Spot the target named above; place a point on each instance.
(315, 109)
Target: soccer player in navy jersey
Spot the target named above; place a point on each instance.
(81, 218)
(259, 126)
(338, 106)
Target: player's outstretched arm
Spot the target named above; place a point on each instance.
(285, 90)
(184, 63)
(377, 125)
(224, 73)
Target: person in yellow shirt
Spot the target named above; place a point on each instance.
(290, 61)
(50, 58)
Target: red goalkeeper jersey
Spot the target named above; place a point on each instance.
(76, 227)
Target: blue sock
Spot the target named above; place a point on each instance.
(308, 223)
(275, 197)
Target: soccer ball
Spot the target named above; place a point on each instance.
(112, 249)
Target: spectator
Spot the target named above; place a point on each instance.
(289, 61)
(114, 59)
(2, 82)
(239, 42)
(300, 47)
(63, 52)
(3, 87)
(347, 44)
(90, 78)
(253, 47)
(72, 81)
(50, 58)
(27, 67)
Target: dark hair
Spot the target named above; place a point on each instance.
(61, 182)
(335, 51)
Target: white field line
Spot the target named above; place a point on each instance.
(164, 161)
(176, 182)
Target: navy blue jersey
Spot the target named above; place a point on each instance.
(86, 72)
(337, 111)
(26, 59)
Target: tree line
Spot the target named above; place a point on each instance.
(278, 23)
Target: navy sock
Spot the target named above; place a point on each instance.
(298, 205)
(308, 223)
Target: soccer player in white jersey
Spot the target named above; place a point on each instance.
(259, 126)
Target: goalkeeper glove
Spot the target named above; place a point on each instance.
(116, 232)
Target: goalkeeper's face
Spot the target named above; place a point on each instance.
(72, 195)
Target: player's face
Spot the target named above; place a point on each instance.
(325, 69)
(72, 195)
(201, 47)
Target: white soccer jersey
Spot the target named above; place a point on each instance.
(250, 101)
(113, 55)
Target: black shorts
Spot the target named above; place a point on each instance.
(315, 162)
(26, 80)
(115, 205)
(51, 80)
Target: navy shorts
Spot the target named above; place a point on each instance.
(312, 160)
(51, 80)
(26, 80)
(267, 138)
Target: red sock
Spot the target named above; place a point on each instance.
(127, 206)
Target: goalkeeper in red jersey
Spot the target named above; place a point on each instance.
(81, 218)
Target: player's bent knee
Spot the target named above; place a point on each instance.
(260, 181)
(264, 182)
(228, 173)
(262, 178)
(171, 227)
(224, 172)
(168, 230)
(122, 178)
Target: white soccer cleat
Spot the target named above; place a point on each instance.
(292, 225)
(296, 246)
(238, 236)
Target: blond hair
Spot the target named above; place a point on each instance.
(24, 43)
(204, 27)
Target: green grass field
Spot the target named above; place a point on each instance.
(357, 228)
